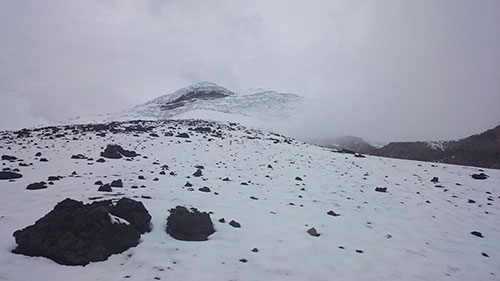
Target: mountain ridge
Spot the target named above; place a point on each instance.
(481, 150)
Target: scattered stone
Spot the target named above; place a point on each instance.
(254, 198)
(298, 178)
(198, 173)
(312, 231)
(100, 160)
(44, 160)
(98, 183)
(435, 179)
(222, 220)
(332, 213)
(114, 151)
(235, 224)
(359, 251)
(186, 225)
(255, 250)
(78, 156)
(183, 135)
(359, 155)
(225, 179)
(9, 158)
(105, 188)
(481, 176)
(188, 184)
(477, 233)
(485, 255)
(243, 260)
(470, 201)
(54, 178)
(36, 185)
(5, 175)
(74, 233)
(204, 189)
(117, 183)
(381, 189)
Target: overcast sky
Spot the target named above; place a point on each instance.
(383, 70)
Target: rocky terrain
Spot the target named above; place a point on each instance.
(200, 200)
(481, 150)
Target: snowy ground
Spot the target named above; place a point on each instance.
(415, 231)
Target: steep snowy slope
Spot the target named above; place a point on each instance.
(204, 98)
(275, 187)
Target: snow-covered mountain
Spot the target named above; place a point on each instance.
(207, 100)
(281, 209)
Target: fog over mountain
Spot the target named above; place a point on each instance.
(384, 70)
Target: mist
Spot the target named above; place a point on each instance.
(382, 70)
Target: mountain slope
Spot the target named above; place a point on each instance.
(481, 150)
(201, 100)
(275, 187)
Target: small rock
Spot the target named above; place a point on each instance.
(204, 189)
(477, 233)
(235, 224)
(312, 231)
(9, 175)
(481, 176)
(105, 188)
(117, 183)
(198, 173)
(37, 185)
(332, 213)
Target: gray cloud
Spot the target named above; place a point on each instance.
(386, 70)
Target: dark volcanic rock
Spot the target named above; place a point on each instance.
(117, 183)
(198, 173)
(312, 231)
(234, 223)
(9, 175)
(186, 225)
(204, 189)
(54, 178)
(114, 151)
(332, 213)
(477, 233)
(76, 234)
(9, 158)
(481, 176)
(36, 185)
(134, 212)
(78, 156)
(105, 188)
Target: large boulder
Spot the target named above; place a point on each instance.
(74, 233)
(134, 212)
(114, 151)
(186, 225)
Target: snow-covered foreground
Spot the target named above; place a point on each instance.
(415, 231)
